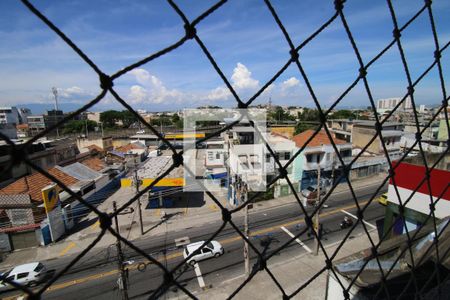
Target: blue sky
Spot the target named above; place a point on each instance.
(242, 36)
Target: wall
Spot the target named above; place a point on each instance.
(361, 136)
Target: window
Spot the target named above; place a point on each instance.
(206, 250)
(310, 157)
(267, 157)
(287, 155)
(39, 267)
(217, 155)
(22, 275)
(10, 278)
(346, 153)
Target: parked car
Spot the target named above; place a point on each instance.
(310, 193)
(27, 274)
(383, 199)
(212, 249)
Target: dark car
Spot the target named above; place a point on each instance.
(310, 193)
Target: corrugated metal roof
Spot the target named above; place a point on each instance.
(80, 171)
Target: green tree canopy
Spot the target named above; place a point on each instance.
(279, 115)
(309, 114)
(344, 114)
(79, 126)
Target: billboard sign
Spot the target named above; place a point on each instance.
(50, 196)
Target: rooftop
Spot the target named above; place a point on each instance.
(33, 184)
(94, 163)
(155, 166)
(80, 171)
(321, 138)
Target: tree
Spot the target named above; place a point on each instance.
(301, 126)
(110, 117)
(343, 114)
(175, 118)
(79, 126)
(280, 115)
(309, 114)
(127, 118)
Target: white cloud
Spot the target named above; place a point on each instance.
(138, 94)
(142, 76)
(219, 93)
(242, 78)
(289, 83)
(151, 89)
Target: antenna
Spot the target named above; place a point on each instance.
(55, 94)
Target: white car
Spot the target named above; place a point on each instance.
(27, 274)
(212, 249)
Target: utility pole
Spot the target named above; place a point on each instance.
(123, 280)
(316, 217)
(246, 231)
(86, 122)
(139, 199)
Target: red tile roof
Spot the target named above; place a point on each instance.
(19, 228)
(95, 147)
(126, 148)
(94, 163)
(33, 184)
(321, 138)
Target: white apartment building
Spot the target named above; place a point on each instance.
(391, 103)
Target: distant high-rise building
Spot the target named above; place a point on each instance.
(9, 115)
(391, 103)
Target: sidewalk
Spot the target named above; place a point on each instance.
(178, 220)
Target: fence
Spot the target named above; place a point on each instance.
(106, 82)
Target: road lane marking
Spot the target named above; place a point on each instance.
(180, 253)
(198, 273)
(65, 250)
(96, 224)
(355, 217)
(213, 207)
(297, 240)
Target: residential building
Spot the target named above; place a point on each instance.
(36, 124)
(26, 192)
(23, 213)
(341, 128)
(443, 133)
(24, 113)
(284, 149)
(246, 160)
(52, 117)
(391, 103)
(104, 143)
(9, 115)
(93, 116)
(364, 131)
(43, 153)
(23, 130)
(318, 153)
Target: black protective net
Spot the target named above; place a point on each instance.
(293, 58)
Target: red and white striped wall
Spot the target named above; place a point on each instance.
(408, 177)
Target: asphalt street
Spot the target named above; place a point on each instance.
(95, 276)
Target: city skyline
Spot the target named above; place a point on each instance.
(244, 40)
